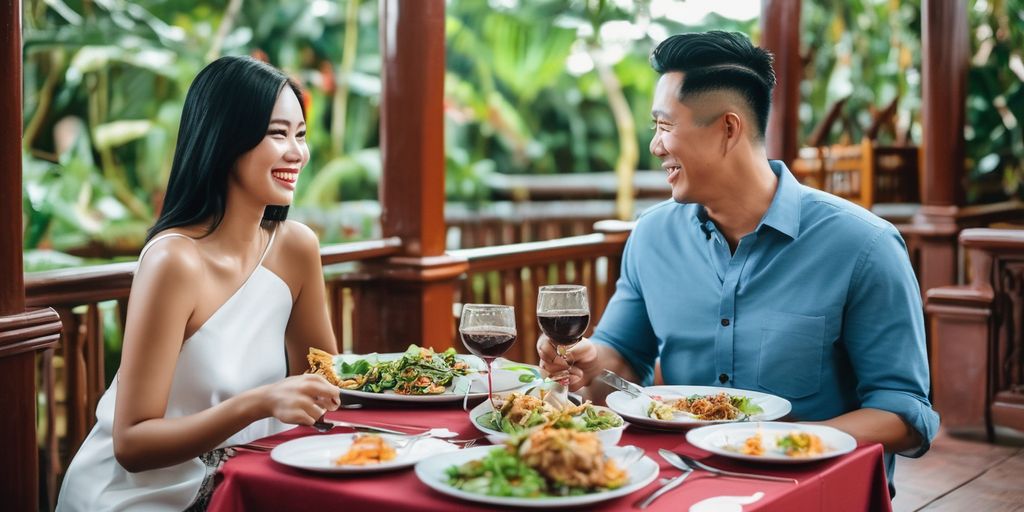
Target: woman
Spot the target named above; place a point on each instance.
(226, 301)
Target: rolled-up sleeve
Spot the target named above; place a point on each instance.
(884, 333)
(625, 325)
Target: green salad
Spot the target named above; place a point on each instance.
(518, 413)
(546, 462)
(420, 371)
(500, 473)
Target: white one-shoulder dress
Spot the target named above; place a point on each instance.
(239, 348)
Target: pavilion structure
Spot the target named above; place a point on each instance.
(409, 282)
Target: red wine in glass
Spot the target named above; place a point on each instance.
(564, 327)
(486, 342)
(563, 313)
(488, 331)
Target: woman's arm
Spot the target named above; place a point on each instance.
(162, 300)
(310, 324)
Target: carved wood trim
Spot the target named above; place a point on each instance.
(30, 331)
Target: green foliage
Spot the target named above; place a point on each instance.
(870, 51)
(105, 82)
(995, 101)
(867, 50)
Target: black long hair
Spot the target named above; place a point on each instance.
(227, 111)
(719, 60)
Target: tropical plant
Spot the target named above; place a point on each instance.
(105, 81)
(995, 101)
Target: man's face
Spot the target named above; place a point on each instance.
(688, 152)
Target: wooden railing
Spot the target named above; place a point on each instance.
(977, 334)
(934, 250)
(72, 377)
(512, 274)
(506, 222)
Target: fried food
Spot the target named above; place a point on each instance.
(801, 444)
(703, 407)
(365, 450)
(571, 458)
(322, 363)
(753, 445)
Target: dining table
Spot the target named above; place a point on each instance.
(251, 481)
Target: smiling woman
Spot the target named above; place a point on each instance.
(217, 310)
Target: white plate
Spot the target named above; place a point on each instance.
(504, 380)
(634, 410)
(609, 437)
(432, 472)
(726, 438)
(318, 453)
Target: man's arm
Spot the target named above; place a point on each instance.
(624, 341)
(883, 331)
(878, 426)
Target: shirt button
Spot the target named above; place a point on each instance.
(725, 322)
(723, 378)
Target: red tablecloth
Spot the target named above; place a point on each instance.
(252, 482)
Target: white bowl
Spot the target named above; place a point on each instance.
(609, 437)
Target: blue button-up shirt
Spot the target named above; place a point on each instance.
(819, 305)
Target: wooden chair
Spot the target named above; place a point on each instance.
(867, 173)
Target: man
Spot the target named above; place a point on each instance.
(748, 279)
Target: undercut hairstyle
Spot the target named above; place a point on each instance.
(720, 61)
(227, 111)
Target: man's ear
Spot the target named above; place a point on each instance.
(733, 130)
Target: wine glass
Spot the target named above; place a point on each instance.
(488, 331)
(564, 315)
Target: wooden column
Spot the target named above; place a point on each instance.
(780, 34)
(945, 62)
(21, 333)
(412, 294)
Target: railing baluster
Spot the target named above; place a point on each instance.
(74, 381)
(50, 463)
(93, 352)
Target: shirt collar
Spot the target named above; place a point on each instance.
(784, 211)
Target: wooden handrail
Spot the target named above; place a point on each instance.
(993, 240)
(484, 259)
(114, 280)
(357, 251)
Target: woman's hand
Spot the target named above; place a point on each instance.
(583, 356)
(300, 400)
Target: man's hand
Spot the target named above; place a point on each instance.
(583, 356)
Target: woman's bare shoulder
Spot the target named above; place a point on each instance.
(171, 258)
(298, 239)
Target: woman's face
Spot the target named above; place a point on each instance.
(268, 172)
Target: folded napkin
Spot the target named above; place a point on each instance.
(725, 503)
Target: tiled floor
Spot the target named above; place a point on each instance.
(964, 474)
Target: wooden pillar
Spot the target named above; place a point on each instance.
(412, 294)
(21, 333)
(945, 62)
(780, 34)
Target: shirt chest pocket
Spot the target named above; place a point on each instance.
(790, 358)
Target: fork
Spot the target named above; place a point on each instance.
(468, 443)
(696, 464)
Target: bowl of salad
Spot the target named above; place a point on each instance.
(519, 413)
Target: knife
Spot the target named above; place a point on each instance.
(668, 486)
(614, 380)
(365, 427)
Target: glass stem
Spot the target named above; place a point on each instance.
(490, 386)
